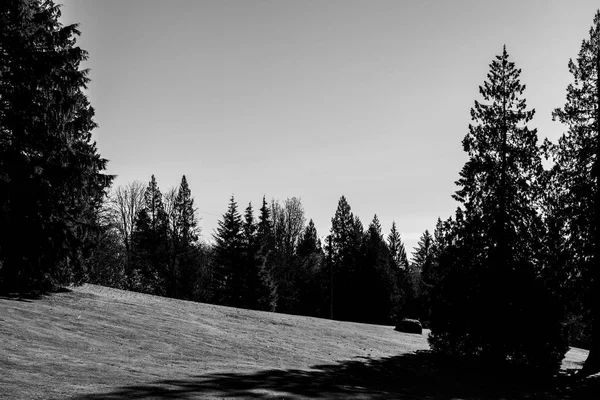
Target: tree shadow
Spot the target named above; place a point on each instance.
(28, 297)
(417, 375)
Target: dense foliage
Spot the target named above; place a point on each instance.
(493, 283)
(51, 180)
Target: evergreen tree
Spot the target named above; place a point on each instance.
(185, 235)
(396, 248)
(312, 280)
(252, 280)
(499, 190)
(51, 180)
(378, 292)
(577, 180)
(265, 257)
(423, 256)
(228, 266)
(150, 239)
(345, 255)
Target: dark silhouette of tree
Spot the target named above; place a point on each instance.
(396, 248)
(423, 257)
(150, 268)
(51, 180)
(501, 233)
(228, 262)
(264, 257)
(345, 255)
(577, 177)
(252, 288)
(185, 240)
(125, 204)
(378, 279)
(311, 275)
(288, 225)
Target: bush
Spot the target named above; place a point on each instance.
(506, 320)
(409, 326)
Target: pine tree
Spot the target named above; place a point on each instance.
(396, 248)
(422, 258)
(51, 180)
(185, 234)
(252, 280)
(150, 239)
(345, 255)
(311, 276)
(378, 279)
(228, 258)
(577, 175)
(265, 258)
(499, 190)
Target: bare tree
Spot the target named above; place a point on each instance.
(288, 225)
(125, 203)
(169, 198)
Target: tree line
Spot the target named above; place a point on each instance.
(271, 259)
(510, 279)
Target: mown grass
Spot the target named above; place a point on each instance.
(99, 343)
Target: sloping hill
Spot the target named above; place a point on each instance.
(99, 343)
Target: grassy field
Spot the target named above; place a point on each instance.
(94, 342)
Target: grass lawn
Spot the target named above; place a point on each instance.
(94, 342)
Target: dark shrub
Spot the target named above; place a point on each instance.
(409, 326)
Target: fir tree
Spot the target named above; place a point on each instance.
(228, 258)
(51, 180)
(499, 188)
(577, 179)
(396, 248)
(185, 235)
(265, 257)
(150, 239)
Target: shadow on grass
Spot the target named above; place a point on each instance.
(408, 376)
(28, 297)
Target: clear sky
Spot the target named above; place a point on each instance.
(314, 99)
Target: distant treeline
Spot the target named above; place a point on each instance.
(274, 261)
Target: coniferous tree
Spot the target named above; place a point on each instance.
(150, 240)
(312, 279)
(51, 181)
(396, 248)
(499, 190)
(345, 253)
(252, 280)
(377, 290)
(265, 257)
(228, 267)
(576, 176)
(185, 235)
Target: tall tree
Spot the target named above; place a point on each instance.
(499, 189)
(51, 180)
(228, 257)
(346, 238)
(577, 172)
(185, 244)
(252, 287)
(288, 225)
(150, 240)
(378, 279)
(265, 257)
(422, 258)
(396, 248)
(126, 201)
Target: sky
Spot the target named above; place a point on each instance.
(313, 99)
